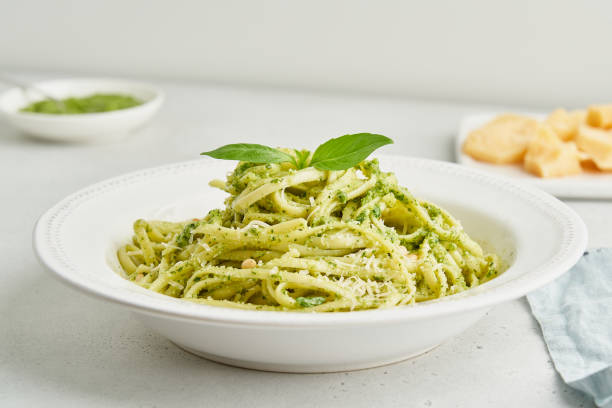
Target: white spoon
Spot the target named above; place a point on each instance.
(27, 86)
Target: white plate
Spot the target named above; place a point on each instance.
(82, 127)
(586, 185)
(536, 234)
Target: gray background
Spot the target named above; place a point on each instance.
(532, 53)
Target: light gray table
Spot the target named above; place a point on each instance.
(61, 348)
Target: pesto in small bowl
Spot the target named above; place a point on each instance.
(89, 104)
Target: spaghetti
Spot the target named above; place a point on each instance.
(309, 240)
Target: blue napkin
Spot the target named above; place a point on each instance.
(575, 313)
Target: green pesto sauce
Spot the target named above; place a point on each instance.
(89, 104)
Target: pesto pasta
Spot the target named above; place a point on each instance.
(292, 239)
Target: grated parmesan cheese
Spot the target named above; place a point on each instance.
(255, 223)
(176, 285)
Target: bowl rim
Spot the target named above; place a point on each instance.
(157, 99)
(573, 243)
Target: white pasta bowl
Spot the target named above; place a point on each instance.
(82, 127)
(538, 236)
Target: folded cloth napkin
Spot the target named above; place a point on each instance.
(575, 313)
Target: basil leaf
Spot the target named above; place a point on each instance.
(310, 301)
(347, 151)
(247, 152)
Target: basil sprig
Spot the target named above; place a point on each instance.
(339, 153)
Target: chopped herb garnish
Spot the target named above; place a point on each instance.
(184, 237)
(310, 301)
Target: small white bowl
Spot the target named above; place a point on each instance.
(84, 127)
(537, 235)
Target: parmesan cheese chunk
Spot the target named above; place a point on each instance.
(548, 156)
(503, 140)
(565, 124)
(597, 144)
(600, 116)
